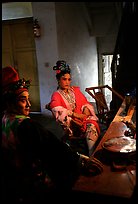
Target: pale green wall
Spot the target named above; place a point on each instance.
(16, 10)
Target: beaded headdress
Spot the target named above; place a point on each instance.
(11, 83)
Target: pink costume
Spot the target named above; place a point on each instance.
(62, 105)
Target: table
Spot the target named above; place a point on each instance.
(111, 183)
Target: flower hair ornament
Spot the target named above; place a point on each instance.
(61, 65)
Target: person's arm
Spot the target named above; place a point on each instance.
(86, 111)
(83, 104)
(81, 116)
(57, 158)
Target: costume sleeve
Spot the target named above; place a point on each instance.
(59, 109)
(91, 109)
(56, 100)
(82, 102)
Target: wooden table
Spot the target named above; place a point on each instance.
(111, 182)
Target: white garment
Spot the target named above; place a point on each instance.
(91, 137)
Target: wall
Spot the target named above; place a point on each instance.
(46, 49)
(75, 44)
(64, 36)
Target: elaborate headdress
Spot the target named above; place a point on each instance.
(61, 66)
(11, 83)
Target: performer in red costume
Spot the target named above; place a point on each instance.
(69, 106)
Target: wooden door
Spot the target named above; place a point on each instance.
(18, 50)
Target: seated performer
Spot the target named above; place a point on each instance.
(71, 108)
(34, 161)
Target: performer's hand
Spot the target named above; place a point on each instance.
(79, 116)
(86, 111)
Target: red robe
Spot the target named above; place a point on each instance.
(61, 108)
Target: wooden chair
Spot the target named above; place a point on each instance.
(104, 112)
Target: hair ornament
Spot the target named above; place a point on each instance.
(58, 71)
(11, 83)
(61, 65)
(21, 83)
(18, 86)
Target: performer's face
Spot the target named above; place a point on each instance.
(23, 104)
(65, 81)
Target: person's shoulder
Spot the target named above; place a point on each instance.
(75, 87)
(55, 93)
(30, 124)
(24, 120)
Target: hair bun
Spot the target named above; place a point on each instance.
(61, 65)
